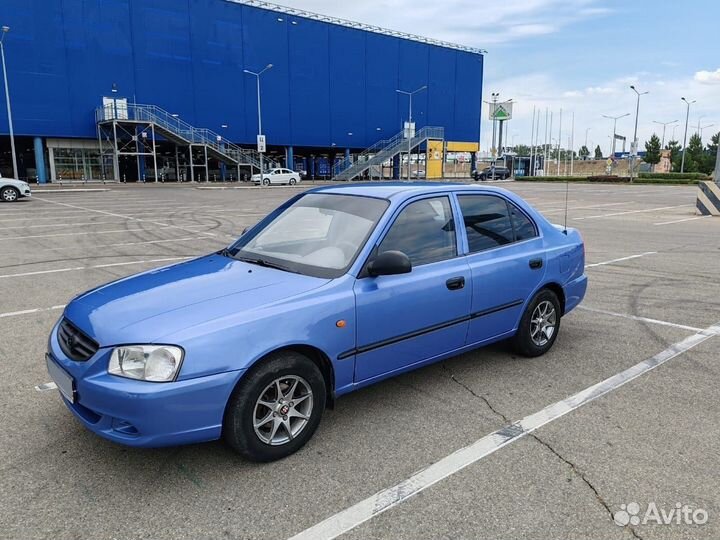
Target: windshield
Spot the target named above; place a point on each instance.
(317, 234)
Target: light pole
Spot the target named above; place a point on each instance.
(257, 78)
(410, 133)
(665, 125)
(704, 127)
(687, 117)
(614, 119)
(5, 30)
(586, 134)
(634, 148)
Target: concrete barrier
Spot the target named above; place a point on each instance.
(708, 199)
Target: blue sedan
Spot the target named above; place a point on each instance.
(338, 288)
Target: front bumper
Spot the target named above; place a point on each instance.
(145, 414)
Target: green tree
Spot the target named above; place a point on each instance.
(708, 164)
(652, 150)
(522, 150)
(694, 154)
(598, 152)
(675, 149)
(584, 152)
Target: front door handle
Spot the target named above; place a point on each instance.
(455, 283)
(536, 263)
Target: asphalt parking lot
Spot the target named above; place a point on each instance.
(654, 280)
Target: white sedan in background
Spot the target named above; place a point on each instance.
(11, 190)
(277, 176)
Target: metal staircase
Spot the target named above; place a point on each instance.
(181, 133)
(383, 151)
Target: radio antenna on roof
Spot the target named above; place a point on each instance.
(567, 189)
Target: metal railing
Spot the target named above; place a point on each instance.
(383, 151)
(182, 130)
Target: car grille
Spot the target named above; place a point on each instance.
(76, 345)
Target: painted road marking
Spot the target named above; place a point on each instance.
(386, 499)
(30, 311)
(593, 265)
(46, 386)
(186, 229)
(681, 220)
(632, 212)
(109, 265)
(127, 217)
(120, 244)
(641, 319)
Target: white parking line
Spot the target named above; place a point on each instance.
(570, 209)
(109, 265)
(62, 225)
(122, 244)
(186, 229)
(620, 259)
(29, 311)
(46, 386)
(641, 319)
(128, 217)
(632, 212)
(680, 220)
(386, 499)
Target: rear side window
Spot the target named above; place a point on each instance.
(524, 227)
(491, 222)
(424, 230)
(487, 221)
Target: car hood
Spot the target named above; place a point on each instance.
(145, 307)
(12, 182)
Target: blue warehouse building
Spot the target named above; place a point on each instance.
(157, 89)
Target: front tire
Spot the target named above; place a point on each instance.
(266, 182)
(9, 194)
(276, 408)
(539, 325)
(293, 181)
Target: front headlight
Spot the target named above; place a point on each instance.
(156, 363)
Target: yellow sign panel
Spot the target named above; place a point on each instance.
(434, 159)
(457, 146)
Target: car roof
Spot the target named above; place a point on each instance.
(388, 190)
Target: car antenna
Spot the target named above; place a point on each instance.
(567, 189)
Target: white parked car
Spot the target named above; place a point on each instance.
(11, 190)
(277, 176)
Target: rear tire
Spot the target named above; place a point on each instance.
(9, 194)
(275, 408)
(539, 325)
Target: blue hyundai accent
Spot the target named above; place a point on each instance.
(338, 288)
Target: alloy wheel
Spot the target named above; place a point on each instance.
(543, 323)
(283, 410)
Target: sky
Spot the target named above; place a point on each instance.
(578, 55)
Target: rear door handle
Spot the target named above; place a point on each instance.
(536, 263)
(455, 283)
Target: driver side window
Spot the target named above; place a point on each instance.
(424, 230)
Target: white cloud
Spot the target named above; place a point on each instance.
(611, 97)
(708, 77)
(468, 22)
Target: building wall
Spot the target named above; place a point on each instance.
(187, 57)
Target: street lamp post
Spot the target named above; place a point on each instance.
(259, 110)
(665, 125)
(687, 117)
(5, 30)
(703, 128)
(634, 149)
(409, 138)
(614, 119)
(586, 136)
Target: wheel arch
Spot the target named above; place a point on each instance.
(316, 355)
(559, 292)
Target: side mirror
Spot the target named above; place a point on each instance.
(389, 263)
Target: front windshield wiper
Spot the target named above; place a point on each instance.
(225, 252)
(266, 263)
